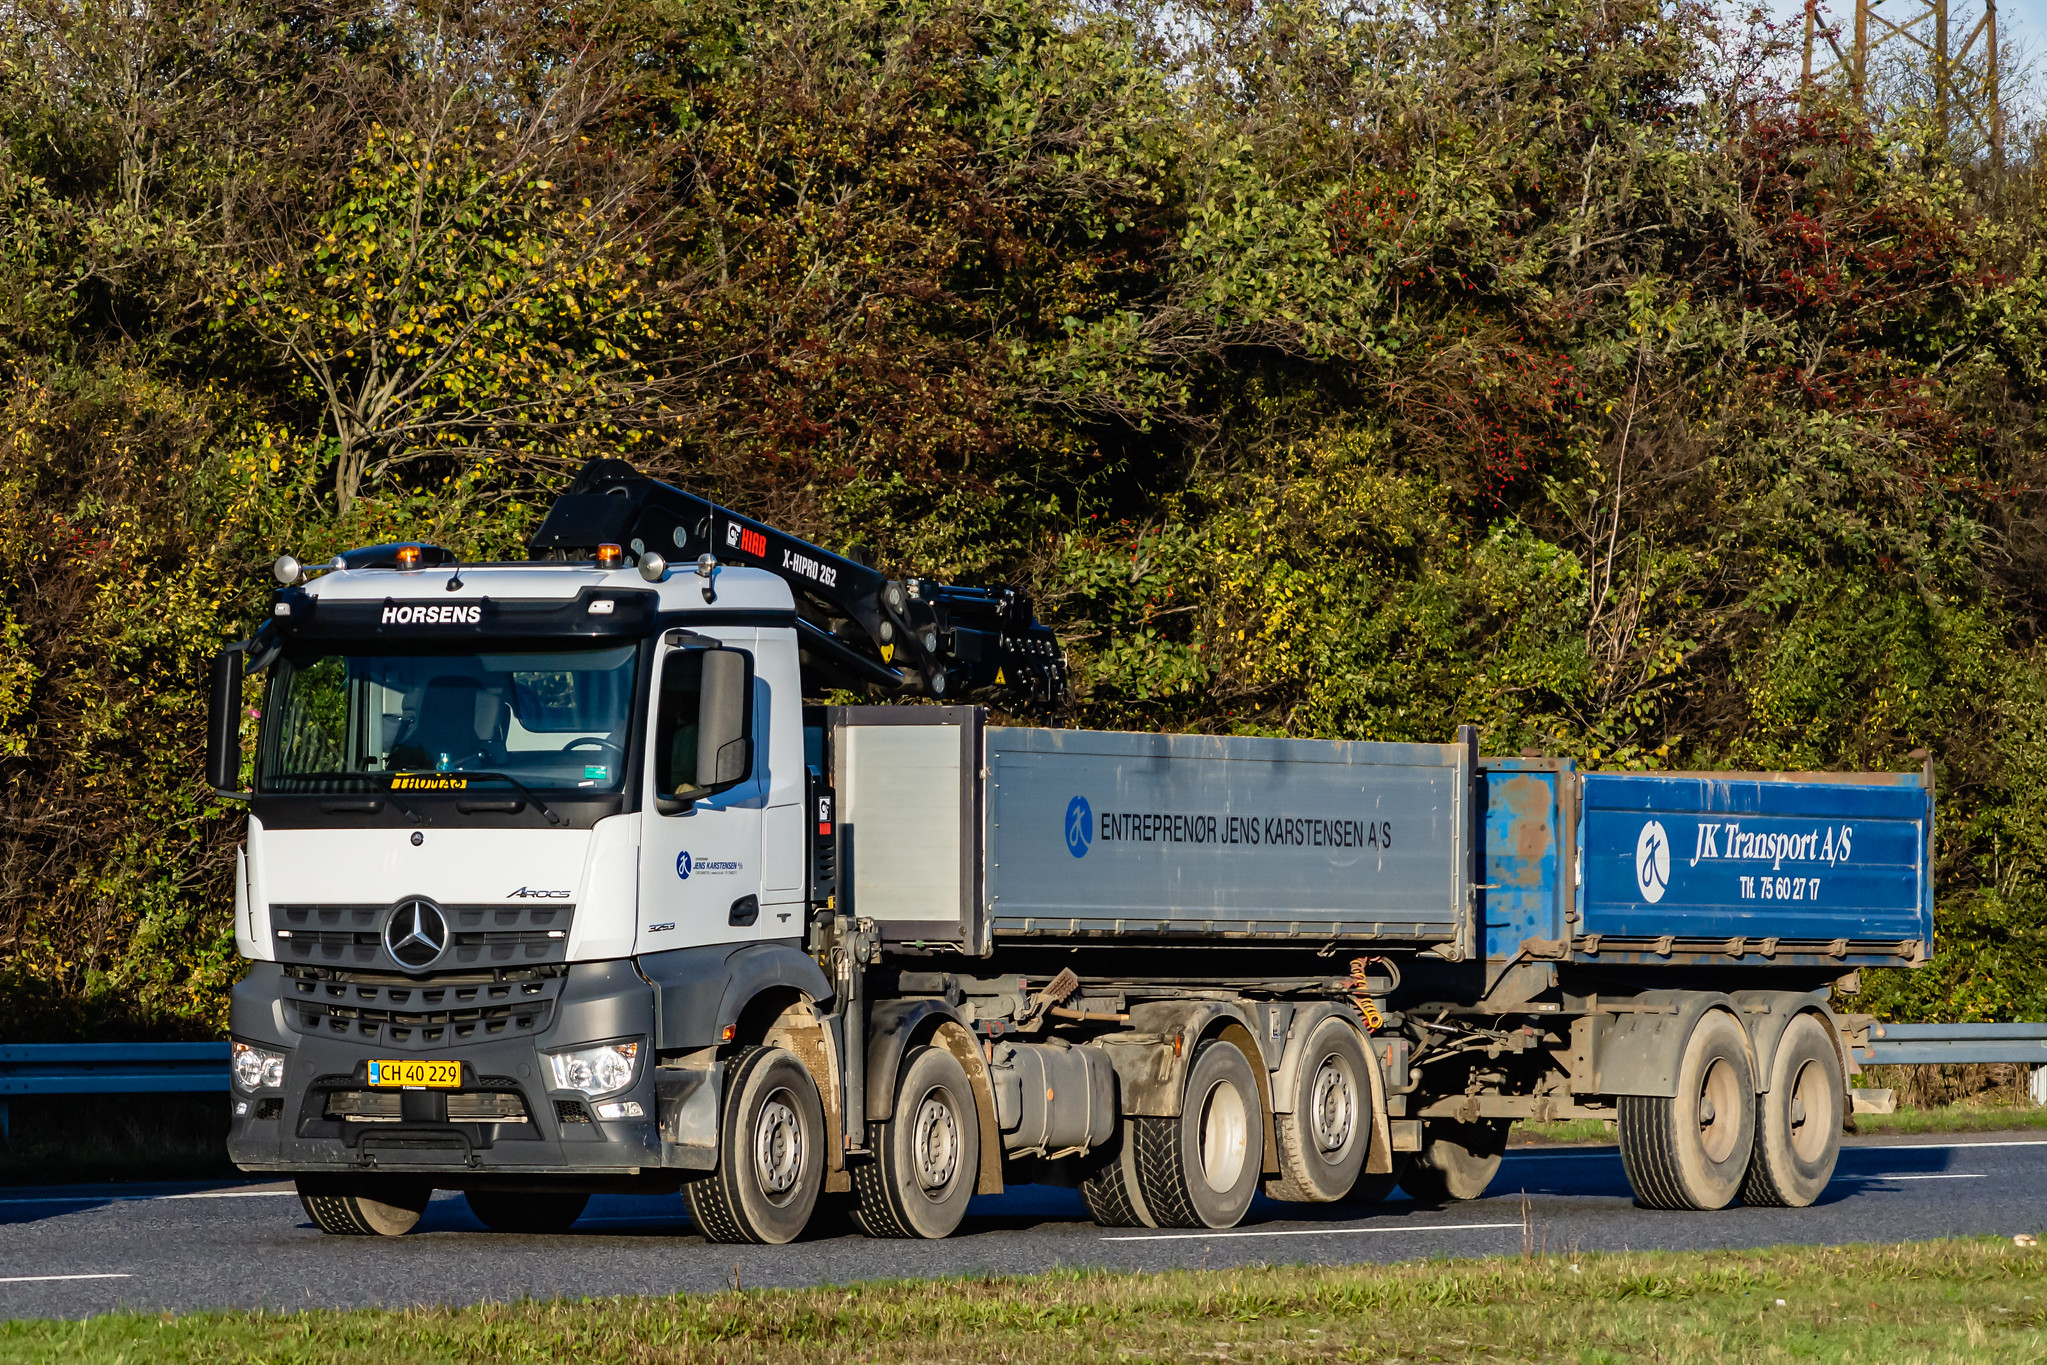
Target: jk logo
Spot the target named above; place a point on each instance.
(1652, 862)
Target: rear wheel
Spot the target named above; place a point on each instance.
(927, 1154)
(1323, 1142)
(1200, 1169)
(1691, 1150)
(363, 1205)
(1798, 1122)
(770, 1154)
(1110, 1188)
(1457, 1160)
(526, 1211)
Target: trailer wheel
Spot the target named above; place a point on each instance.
(1110, 1188)
(770, 1154)
(1457, 1160)
(363, 1205)
(927, 1156)
(529, 1211)
(1691, 1150)
(1798, 1122)
(1200, 1169)
(1322, 1144)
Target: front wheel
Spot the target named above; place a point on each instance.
(770, 1154)
(927, 1154)
(363, 1205)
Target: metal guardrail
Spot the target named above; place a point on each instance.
(201, 1068)
(1954, 1044)
(112, 1068)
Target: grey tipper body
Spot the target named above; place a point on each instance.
(554, 884)
(1213, 834)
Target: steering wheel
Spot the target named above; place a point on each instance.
(595, 743)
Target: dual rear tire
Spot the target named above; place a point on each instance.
(1196, 1169)
(1717, 1139)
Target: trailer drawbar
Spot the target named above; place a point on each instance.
(554, 884)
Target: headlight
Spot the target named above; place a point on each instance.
(254, 1069)
(596, 1070)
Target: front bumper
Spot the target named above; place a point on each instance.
(323, 1037)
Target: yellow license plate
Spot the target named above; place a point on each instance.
(430, 1075)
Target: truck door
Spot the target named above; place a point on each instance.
(700, 848)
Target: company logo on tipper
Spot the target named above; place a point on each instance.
(1652, 862)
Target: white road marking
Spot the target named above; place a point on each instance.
(147, 1198)
(1300, 1232)
(1941, 1146)
(1947, 1175)
(44, 1279)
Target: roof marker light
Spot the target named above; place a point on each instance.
(408, 557)
(609, 556)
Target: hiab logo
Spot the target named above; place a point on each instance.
(1080, 826)
(1652, 862)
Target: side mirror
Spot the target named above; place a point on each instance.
(724, 749)
(224, 723)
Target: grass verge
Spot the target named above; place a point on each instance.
(1950, 1301)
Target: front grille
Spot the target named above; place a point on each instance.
(385, 1106)
(480, 936)
(270, 1109)
(415, 1014)
(571, 1111)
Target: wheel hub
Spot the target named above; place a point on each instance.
(1332, 1108)
(778, 1145)
(935, 1139)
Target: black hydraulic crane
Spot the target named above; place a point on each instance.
(855, 626)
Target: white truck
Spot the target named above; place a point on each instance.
(554, 884)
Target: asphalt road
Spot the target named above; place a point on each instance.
(75, 1251)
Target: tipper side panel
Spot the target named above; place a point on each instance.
(1092, 833)
(1809, 862)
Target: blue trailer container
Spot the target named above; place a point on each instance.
(1775, 869)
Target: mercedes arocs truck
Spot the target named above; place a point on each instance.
(557, 880)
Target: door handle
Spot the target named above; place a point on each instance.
(745, 911)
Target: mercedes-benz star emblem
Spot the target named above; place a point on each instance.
(416, 934)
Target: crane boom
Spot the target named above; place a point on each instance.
(855, 626)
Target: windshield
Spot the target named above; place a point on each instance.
(545, 717)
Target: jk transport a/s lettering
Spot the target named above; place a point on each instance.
(1268, 831)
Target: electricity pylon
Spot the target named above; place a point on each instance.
(1927, 25)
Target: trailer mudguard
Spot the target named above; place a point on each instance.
(1638, 1043)
(698, 991)
(893, 1027)
(1152, 1076)
(1766, 1014)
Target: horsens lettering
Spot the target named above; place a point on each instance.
(446, 615)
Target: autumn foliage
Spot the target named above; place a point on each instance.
(1324, 369)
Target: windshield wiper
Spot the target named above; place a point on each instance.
(524, 790)
(396, 799)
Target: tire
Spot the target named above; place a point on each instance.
(1457, 1160)
(526, 1211)
(1323, 1142)
(1377, 1189)
(1798, 1121)
(363, 1205)
(927, 1155)
(1200, 1168)
(1691, 1150)
(1110, 1188)
(770, 1154)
